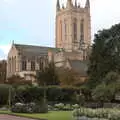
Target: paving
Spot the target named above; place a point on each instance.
(10, 117)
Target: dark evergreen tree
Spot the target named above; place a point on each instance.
(48, 76)
(105, 56)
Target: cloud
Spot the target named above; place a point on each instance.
(33, 21)
(4, 49)
(27, 21)
(2, 55)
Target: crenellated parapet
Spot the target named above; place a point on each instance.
(72, 6)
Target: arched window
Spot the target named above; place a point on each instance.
(65, 31)
(41, 64)
(75, 29)
(10, 62)
(65, 27)
(61, 30)
(82, 30)
(15, 63)
(33, 65)
(24, 65)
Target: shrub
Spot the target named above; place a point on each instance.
(4, 93)
(59, 106)
(100, 114)
(75, 106)
(68, 107)
(50, 108)
(54, 94)
(61, 94)
(19, 108)
(29, 108)
(27, 94)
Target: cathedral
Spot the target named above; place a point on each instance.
(73, 41)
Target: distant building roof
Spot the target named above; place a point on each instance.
(31, 50)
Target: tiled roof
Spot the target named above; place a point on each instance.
(79, 66)
(31, 50)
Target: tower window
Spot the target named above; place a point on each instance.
(65, 30)
(24, 65)
(41, 64)
(32, 65)
(61, 30)
(82, 30)
(75, 29)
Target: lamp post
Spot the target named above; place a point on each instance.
(9, 98)
(44, 92)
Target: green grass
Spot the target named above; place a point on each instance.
(53, 115)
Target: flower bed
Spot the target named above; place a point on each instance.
(96, 114)
(63, 107)
(29, 108)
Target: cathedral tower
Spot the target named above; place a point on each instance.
(73, 26)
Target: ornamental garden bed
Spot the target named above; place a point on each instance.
(96, 114)
(87, 118)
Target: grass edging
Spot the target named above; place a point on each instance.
(51, 115)
(19, 115)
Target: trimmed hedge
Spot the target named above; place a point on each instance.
(53, 94)
(27, 94)
(4, 93)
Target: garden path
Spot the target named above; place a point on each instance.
(10, 117)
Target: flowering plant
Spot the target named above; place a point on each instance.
(108, 114)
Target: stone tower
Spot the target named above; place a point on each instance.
(73, 26)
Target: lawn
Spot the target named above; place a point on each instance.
(53, 115)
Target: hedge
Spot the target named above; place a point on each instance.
(27, 94)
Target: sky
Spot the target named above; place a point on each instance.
(33, 21)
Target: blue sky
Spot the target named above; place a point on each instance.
(32, 21)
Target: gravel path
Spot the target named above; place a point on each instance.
(10, 117)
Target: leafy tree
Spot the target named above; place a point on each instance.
(48, 76)
(69, 77)
(4, 93)
(3, 66)
(105, 56)
(66, 77)
(17, 80)
(103, 93)
(111, 78)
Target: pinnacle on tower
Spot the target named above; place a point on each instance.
(58, 5)
(87, 4)
(63, 6)
(12, 42)
(75, 3)
(69, 4)
(78, 5)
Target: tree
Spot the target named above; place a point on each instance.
(105, 56)
(48, 76)
(68, 77)
(3, 66)
(104, 93)
(111, 78)
(17, 80)
(4, 93)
